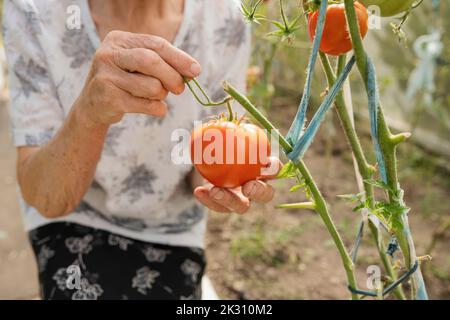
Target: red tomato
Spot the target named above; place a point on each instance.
(229, 154)
(336, 38)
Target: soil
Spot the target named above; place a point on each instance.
(268, 253)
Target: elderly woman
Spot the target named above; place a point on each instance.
(93, 108)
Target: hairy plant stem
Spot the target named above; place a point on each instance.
(388, 144)
(320, 205)
(365, 170)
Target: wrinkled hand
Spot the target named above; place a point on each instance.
(133, 73)
(239, 199)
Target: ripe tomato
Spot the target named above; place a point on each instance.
(336, 38)
(389, 8)
(229, 153)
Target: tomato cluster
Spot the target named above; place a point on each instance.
(336, 38)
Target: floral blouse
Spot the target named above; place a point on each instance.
(137, 190)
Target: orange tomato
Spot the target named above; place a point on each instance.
(229, 153)
(336, 38)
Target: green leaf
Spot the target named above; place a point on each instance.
(395, 209)
(359, 207)
(297, 187)
(378, 184)
(288, 171)
(396, 225)
(244, 10)
(278, 24)
(352, 197)
(293, 25)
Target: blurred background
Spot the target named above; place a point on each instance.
(275, 254)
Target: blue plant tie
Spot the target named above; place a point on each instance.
(359, 236)
(389, 288)
(392, 246)
(306, 139)
(373, 97)
(300, 118)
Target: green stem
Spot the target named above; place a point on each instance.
(366, 171)
(283, 16)
(342, 60)
(268, 62)
(319, 201)
(230, 111)
(300, 205)
(208, 102)
(388, 147)
(255, 6)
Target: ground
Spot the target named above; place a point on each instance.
(268, 253)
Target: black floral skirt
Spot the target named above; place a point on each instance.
(82, 263)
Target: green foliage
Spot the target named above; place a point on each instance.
(297, 187)
(285, 30)
(249, 12)
(251, 245)
(288, 171)
(263, 245)
(388, 212)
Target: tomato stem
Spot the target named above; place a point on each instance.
(208, 102)
(300, 205)
(388, 146)
(320, 205)
(364, 168)
(230, 111)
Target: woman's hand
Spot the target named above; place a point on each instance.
(239, 199)
(133, 73)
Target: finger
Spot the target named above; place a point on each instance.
(272, 169)
(140, 85)
(232, 200)
(202, 195)
(132, 104)
(148, 62)
(258, 191)
(178, 59)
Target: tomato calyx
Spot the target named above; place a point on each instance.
(230, 117)
(207, 102)
(285, 28)
(250, 14)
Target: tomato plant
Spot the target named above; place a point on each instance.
(390, 8)
(345, 24)
(336, 38)
(229, 153)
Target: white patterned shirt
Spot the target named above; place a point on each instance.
(137, 190)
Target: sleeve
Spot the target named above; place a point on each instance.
(34, 107)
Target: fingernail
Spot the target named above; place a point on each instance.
(195, 69)
(217, 194)
(251, 189)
